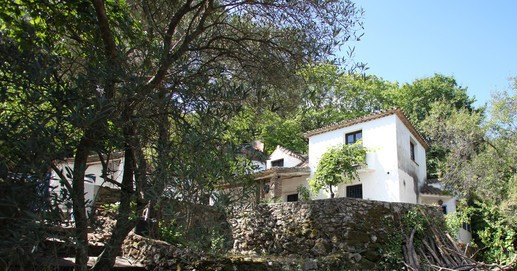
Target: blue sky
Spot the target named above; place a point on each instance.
(475, 41)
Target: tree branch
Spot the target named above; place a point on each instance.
(182, 49)
(110, 47)
(106, 35)
(63, 178)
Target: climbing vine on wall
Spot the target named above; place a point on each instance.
(339, 164)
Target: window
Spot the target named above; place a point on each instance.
(466, 226)
(354, 191)
(277, 163)
(444, 209)
(412, 150)
(351, 138)
(292, 197)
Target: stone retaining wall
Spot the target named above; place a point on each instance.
(330, 234)
(352, 229)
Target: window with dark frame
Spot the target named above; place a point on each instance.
(292, 198)
(466, 226)
(353, 137)
(277, 163)
(412, 150)
(354, 191)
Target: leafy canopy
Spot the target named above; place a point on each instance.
(479, 166)
(339, 164)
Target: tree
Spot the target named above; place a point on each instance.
(148, 77)
(334, 95)
(417, 97)
(479, 166)
(339, 164)
(328, 94)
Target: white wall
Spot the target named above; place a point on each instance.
(380, 181)
(289, 161)
(290, 185)
(410, 170)
(90, 187)
(407, 187)
(258, 165)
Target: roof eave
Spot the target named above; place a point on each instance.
(370, 117)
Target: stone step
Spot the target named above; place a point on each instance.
(67, 263)
(62, 249)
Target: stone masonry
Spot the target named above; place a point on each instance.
(351, 228)
(329, 234)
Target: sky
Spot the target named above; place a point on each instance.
(474, 41)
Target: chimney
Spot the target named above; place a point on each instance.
(258, 145)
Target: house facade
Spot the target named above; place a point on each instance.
(395, 168)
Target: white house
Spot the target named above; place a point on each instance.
(395, 169)
(285, 171)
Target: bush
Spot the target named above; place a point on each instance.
(339, 164)
(171, 233)
(493, 233)
(304, 192)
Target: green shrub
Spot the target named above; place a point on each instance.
(171, 233)
(493, 233)
(304, 192)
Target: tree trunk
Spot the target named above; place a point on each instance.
(163, 148)
(79, 210)
(331, 192)
(124, 224)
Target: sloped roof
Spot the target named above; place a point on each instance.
(281, 171)
(303, 164)
(432, 180)
(427, 189)
(287, 151)
(369, 117)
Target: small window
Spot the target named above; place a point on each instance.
(466, 226)
(351, 138)
(277, 163)
(444, 209)
(354, 191)
(412, 150)
(292, 197)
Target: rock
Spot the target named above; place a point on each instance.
(356, 257)
(372, 255)
(310, 265)
(320, 247)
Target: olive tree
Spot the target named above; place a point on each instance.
(129, 74)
